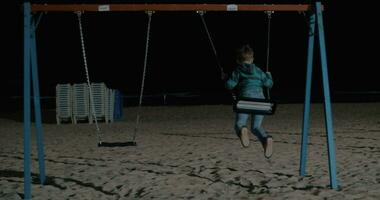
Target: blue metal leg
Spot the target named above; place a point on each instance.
(326, 91)
(27, 175)
(37, 106)
(306, 114)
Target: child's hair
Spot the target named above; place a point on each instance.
(244, 53)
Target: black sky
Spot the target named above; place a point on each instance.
(180, 56)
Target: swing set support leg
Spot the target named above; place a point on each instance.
(31, 70)
(317, 17)
(27, 109)
(309, 71)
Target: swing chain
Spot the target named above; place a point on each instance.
(79, 14)
(150, 13)
(201, 12)
(269, 15)
(222, 74)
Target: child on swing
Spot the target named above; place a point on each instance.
(249, 80)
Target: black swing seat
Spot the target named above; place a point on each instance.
(117, 144)
(254, 106)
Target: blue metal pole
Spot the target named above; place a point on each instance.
(326, 91)
(306, 114)
(27, 175)
(37, 105)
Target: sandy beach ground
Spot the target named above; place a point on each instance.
(191, 152)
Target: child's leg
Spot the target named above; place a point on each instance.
(265, 139)
(241, 129)
(256, 128)
(240, 122)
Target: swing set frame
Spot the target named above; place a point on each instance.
(30, 69)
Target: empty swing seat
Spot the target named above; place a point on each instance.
(117, 144)
(255, 106)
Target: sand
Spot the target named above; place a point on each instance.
(191, 152)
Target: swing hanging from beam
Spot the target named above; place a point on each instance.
(254, 105)
(243, 104)
(98, 131)
(133, 141)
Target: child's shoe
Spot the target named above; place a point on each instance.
(244, 137)
(268, 147)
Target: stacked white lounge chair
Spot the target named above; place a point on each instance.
(110, 107)
(81, 107)
(74, 103)
(99, 96)
(64, 103)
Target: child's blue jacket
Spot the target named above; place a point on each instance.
(248, 79)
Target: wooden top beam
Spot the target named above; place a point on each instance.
(167, 7)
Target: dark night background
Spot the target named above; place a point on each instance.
(181, 61)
